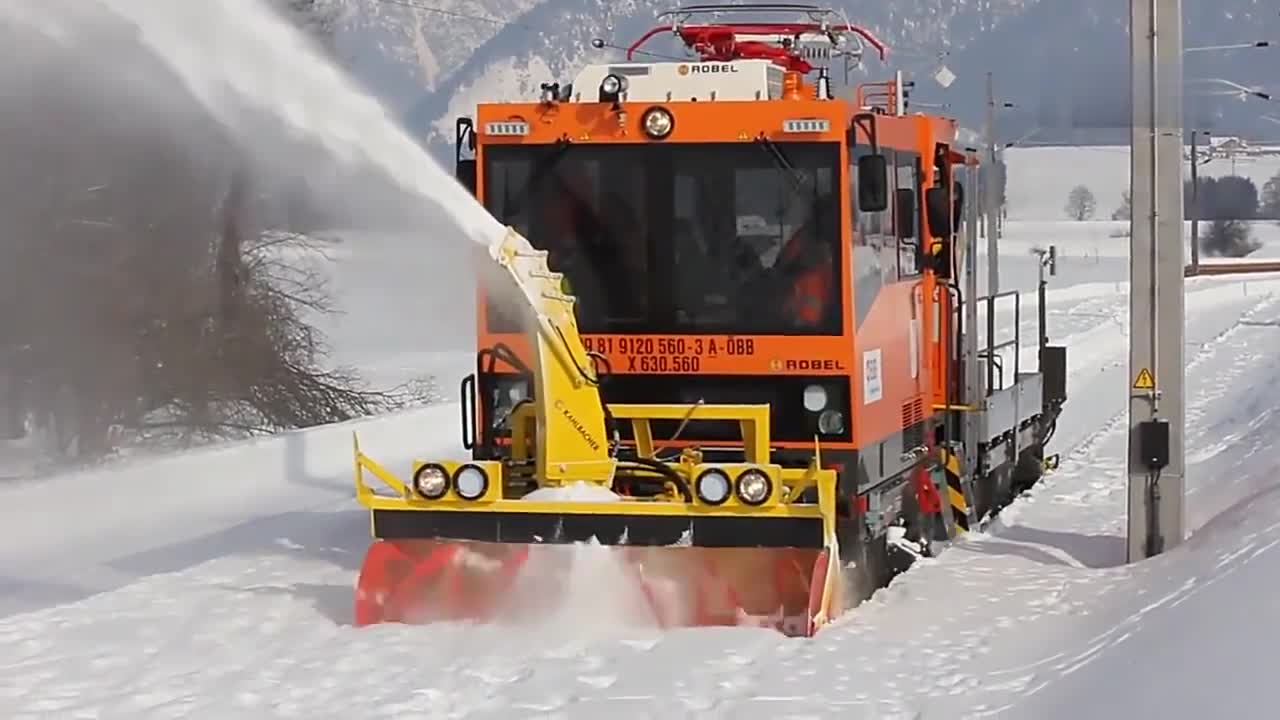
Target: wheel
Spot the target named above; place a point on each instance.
(1028, 471)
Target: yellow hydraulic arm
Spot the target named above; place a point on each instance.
(573, 442)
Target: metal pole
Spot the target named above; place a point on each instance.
(1041, 291)
(1195, 207)
(1156, 353)
(1171, 267)
(973, 394)
(992, 195)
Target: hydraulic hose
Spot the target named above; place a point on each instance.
(662, 469)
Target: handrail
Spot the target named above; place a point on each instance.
(989, 353)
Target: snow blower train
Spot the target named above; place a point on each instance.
(732, 332)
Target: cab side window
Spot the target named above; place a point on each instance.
(906, 200)
(852, 180)
(873, 240)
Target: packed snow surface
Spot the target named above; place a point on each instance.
(219, 583)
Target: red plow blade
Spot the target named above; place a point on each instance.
(424, 581)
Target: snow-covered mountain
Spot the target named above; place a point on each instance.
(431, 60)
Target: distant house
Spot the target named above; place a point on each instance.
(1228, 146)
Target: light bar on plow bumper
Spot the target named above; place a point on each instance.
(717, 505)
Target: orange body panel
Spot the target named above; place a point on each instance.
(682, 354)
(888, 393)
(887, 332)
(720, 121)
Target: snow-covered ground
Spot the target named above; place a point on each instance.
(219, 583)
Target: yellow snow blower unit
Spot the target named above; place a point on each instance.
(451, 540)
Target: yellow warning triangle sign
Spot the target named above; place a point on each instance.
(1144, 381)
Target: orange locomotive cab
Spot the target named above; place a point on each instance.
(735, 232)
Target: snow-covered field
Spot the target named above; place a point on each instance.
(1041, 178)
(219, 583)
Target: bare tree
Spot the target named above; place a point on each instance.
(1270, 203)
(1081, 204)
(1229, 238)
(152, 275)
(1125, 211)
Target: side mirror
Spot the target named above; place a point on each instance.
(957, 203)
(905, 213)
(938, 209)
(873, 183)
(466, 174)
(464, 135)
(465, 163)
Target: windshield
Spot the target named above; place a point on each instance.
(706, 238)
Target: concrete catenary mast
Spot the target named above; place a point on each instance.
(1156, 302)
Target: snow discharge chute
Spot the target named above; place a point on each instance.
(745, 542)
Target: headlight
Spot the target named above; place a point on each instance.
(517, 392)
(471, 482)
(754, 487)
(657, 123)
(712, 486)
(831, 422)
(431, 481)
(815, 398)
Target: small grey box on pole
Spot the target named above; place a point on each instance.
(1156, 466)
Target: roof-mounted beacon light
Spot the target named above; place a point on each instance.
(612, 87)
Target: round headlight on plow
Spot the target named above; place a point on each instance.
(657, 122)
(431, 481)
(471, 482)
(712, 486)
(754, 487)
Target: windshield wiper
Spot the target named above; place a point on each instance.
(540, 170)
(779, 159)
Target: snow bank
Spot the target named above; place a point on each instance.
(76, 534)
